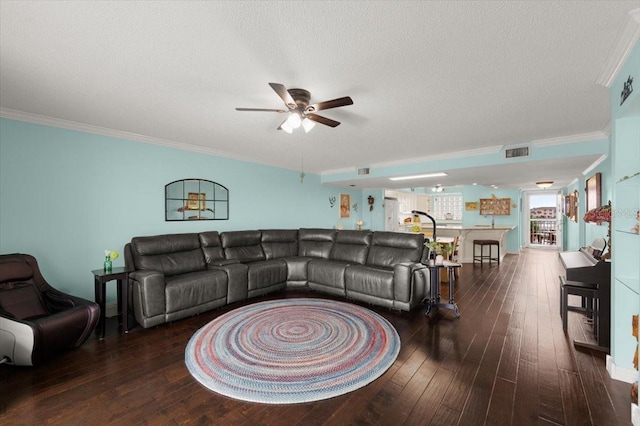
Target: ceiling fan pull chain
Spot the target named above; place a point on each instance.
(301, 160)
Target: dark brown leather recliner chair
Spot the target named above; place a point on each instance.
(37, 321)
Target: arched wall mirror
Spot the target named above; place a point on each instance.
(196, 199)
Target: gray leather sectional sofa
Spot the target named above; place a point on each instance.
(179, 275)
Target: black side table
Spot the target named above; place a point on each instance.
(101, 278)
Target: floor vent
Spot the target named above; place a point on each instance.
(517, 152)
(363, 171)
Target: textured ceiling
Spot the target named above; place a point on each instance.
(426, 78)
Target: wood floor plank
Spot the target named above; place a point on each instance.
(500, 410)
(574, 402)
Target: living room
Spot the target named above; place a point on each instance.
(81, 173)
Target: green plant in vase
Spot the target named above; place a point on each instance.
(443, 249)
(109, 256)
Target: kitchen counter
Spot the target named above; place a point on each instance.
(467, 234)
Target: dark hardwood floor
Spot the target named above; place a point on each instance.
(505, 361)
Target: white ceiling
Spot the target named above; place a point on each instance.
(426, 78)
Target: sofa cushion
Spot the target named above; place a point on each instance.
(266, 273)
(277, 243)
(315, 242)
(351, 246)
(211, 246)
(192, 289)
(376, 282)
(170, 254)
(390, 248)
(327, 273)
(242, 245)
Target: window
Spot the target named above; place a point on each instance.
(447, 206)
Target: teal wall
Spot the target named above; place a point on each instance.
(66, 196)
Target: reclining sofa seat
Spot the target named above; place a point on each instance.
(327, 274)
(283, 244)
(263, 275)
(382, 268)
(392, 275)
(171, 279)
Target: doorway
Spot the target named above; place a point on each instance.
(544, 220)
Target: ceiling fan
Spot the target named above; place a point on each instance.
(300, 112)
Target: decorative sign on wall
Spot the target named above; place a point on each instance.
(593, 192)
(495, 206)
(626, 90)
(471, 205)
(345, 206)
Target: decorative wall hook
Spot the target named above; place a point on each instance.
(626, 91)
(371, 200)
(332, 201)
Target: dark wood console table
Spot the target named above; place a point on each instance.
(101, 278)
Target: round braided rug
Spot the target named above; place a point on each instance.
(292, 350)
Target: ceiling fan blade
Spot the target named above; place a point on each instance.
(334, 103)
(284, 95)
(260, 109)
(323, 120)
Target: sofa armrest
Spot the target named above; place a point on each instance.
(403, 274)
(149, 286)
(237, 280)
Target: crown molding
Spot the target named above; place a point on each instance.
(627, 39)
(118, 134)
(570, 139)
(594, 164)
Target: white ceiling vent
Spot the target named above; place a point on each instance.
(362, 171)
(516, 152)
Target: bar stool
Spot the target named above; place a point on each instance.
(483, 256)
(590, 295)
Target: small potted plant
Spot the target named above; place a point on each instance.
(440, 250)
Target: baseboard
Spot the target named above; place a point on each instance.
(623, 374)
(111, 310)
(635, 415)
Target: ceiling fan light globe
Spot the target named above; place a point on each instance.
(308, 125)
(294, 121)
(285, 126)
